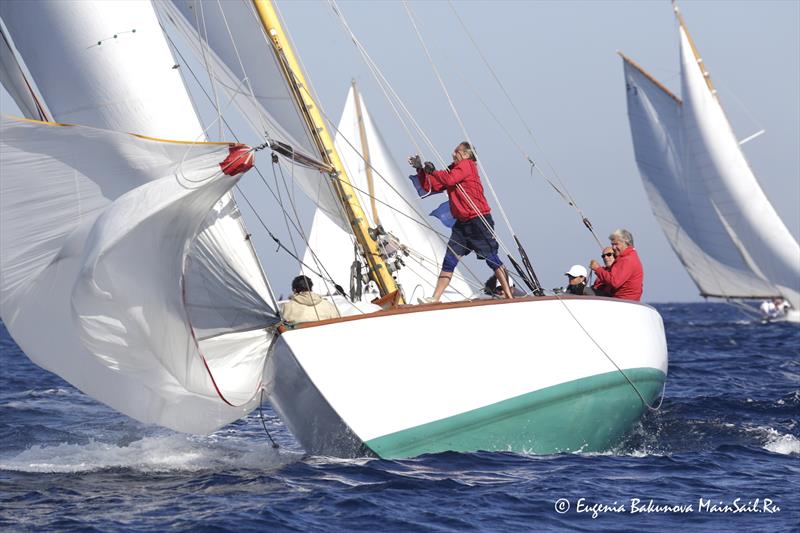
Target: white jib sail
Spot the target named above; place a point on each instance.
(731, 184)
(681, 202)
(395, 202)
(96, 229)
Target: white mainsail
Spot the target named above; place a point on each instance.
(247, 74)
(121, 77)
(702, 191)
(394, 201)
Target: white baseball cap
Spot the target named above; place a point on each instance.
(577, 270)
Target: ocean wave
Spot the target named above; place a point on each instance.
(169, 453)
(776, 442)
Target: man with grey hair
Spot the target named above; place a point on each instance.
(625, 277)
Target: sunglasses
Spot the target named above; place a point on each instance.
(608, 255)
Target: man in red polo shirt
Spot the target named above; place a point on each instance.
(625, 277)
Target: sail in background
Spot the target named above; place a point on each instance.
(121, 78)
(394, 203)
(702, 191)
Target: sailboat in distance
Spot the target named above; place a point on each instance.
(702, 190)
(172, 321)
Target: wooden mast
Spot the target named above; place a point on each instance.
(378, 269)
(700, 63)
(365, 152)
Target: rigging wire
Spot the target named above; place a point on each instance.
(263, 422)
(389, 92)
(455, 113)
(565, 194)
(286, 216)
(531, 278)
(246, 77)
(421, 220)
(175, 49)
(325, 277)
(571, 201)
(594, 341)
(384, 84)
(278, 197)
(208, 68)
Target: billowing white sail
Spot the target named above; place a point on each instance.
(703, 192)
(121, 77)
(682, 205)
(95, 230)
(395, 208)
(741, 203)
(229, 38)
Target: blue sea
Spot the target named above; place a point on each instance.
(723, 452)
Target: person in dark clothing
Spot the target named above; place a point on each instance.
(492, 288)
(578, 277)
(474, 227)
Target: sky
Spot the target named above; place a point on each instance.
(558, 62)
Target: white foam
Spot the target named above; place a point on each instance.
(777, 442)
(784, 445)
(152, 454)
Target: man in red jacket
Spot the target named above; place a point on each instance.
(609, 256)
(474, 227)
(625, 277)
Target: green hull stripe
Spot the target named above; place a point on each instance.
(588, 414)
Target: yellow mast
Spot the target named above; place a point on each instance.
(379, 271)
(365, 152)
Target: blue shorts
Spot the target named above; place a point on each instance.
(472, 236)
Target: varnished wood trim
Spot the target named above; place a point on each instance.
(405, 309)
(647, 75)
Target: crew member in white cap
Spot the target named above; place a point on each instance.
(578, 277)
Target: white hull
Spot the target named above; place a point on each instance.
(434, 363)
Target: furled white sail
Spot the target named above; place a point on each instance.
(680, 204)
(229, 38)
(121, 77)
(95, 230)
(704, 194)
(395, 208)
